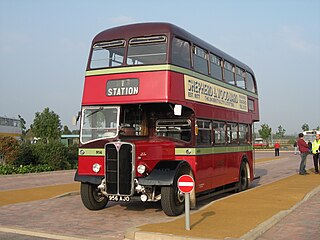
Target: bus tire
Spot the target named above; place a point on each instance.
(172, 199)
(91, 197)
(243, 183)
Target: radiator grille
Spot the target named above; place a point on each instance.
(119, 168)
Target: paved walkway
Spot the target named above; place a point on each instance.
(46, 216)
(245, 215)
(303, 223)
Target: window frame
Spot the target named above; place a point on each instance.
(200, 54)
(174, 129)
(216, 62)
(147, 42)
(250, 83)
(221, 132)
(186, 57)
(228, 67)
(119, 44)
(204, 126)
(240, 77)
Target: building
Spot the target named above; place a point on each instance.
(70, 139)
(10, 127)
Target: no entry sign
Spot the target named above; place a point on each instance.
(185, 183)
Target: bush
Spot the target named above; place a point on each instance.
(25, 157)
(54, 154)
(11, 169)
(9, 149)
(73, 156)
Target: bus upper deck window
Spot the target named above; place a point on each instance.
(250, 83)
(216, 67)
(107, 54)
(200, 60)
(180, 53)
(240, 74)
(228, 73)
(147, 50)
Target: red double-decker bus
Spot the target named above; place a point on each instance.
(158, 103)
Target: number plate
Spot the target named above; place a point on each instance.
(117, 198)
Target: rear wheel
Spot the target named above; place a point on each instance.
(243, 177)
(172, 199)
(91, 197)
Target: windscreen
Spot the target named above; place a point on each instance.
(98, 123)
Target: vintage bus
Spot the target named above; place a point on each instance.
(158, 103)
(310, 135)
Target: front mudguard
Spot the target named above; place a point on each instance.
(96, 180)
(163, 174)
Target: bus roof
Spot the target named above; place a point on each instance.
(146, 29)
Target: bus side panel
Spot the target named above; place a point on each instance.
(219, 169)
(204, 172)
(209, 170)
(202, 180)
(233, 166)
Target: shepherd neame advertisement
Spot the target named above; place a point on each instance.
(205, 92)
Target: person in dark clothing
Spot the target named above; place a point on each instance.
(310, 146)
(304, 151)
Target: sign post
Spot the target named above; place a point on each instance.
(186, 185)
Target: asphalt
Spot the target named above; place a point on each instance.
(246, 215)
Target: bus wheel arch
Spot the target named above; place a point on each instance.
(172, 200)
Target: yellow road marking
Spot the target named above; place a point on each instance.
(38, 234)
(39, 193)
(260, 160)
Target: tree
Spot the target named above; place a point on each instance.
(265, 132)
(47, 126)
(23, 127)
(281, 131)
(305, 127)
(65, 130)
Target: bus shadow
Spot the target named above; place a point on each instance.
(139, 206)
(259, 173)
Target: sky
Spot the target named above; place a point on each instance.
(44, 46)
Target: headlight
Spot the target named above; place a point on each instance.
(141, 169)
(96, 167)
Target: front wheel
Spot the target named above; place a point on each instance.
(91, 197)
(172, 199)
